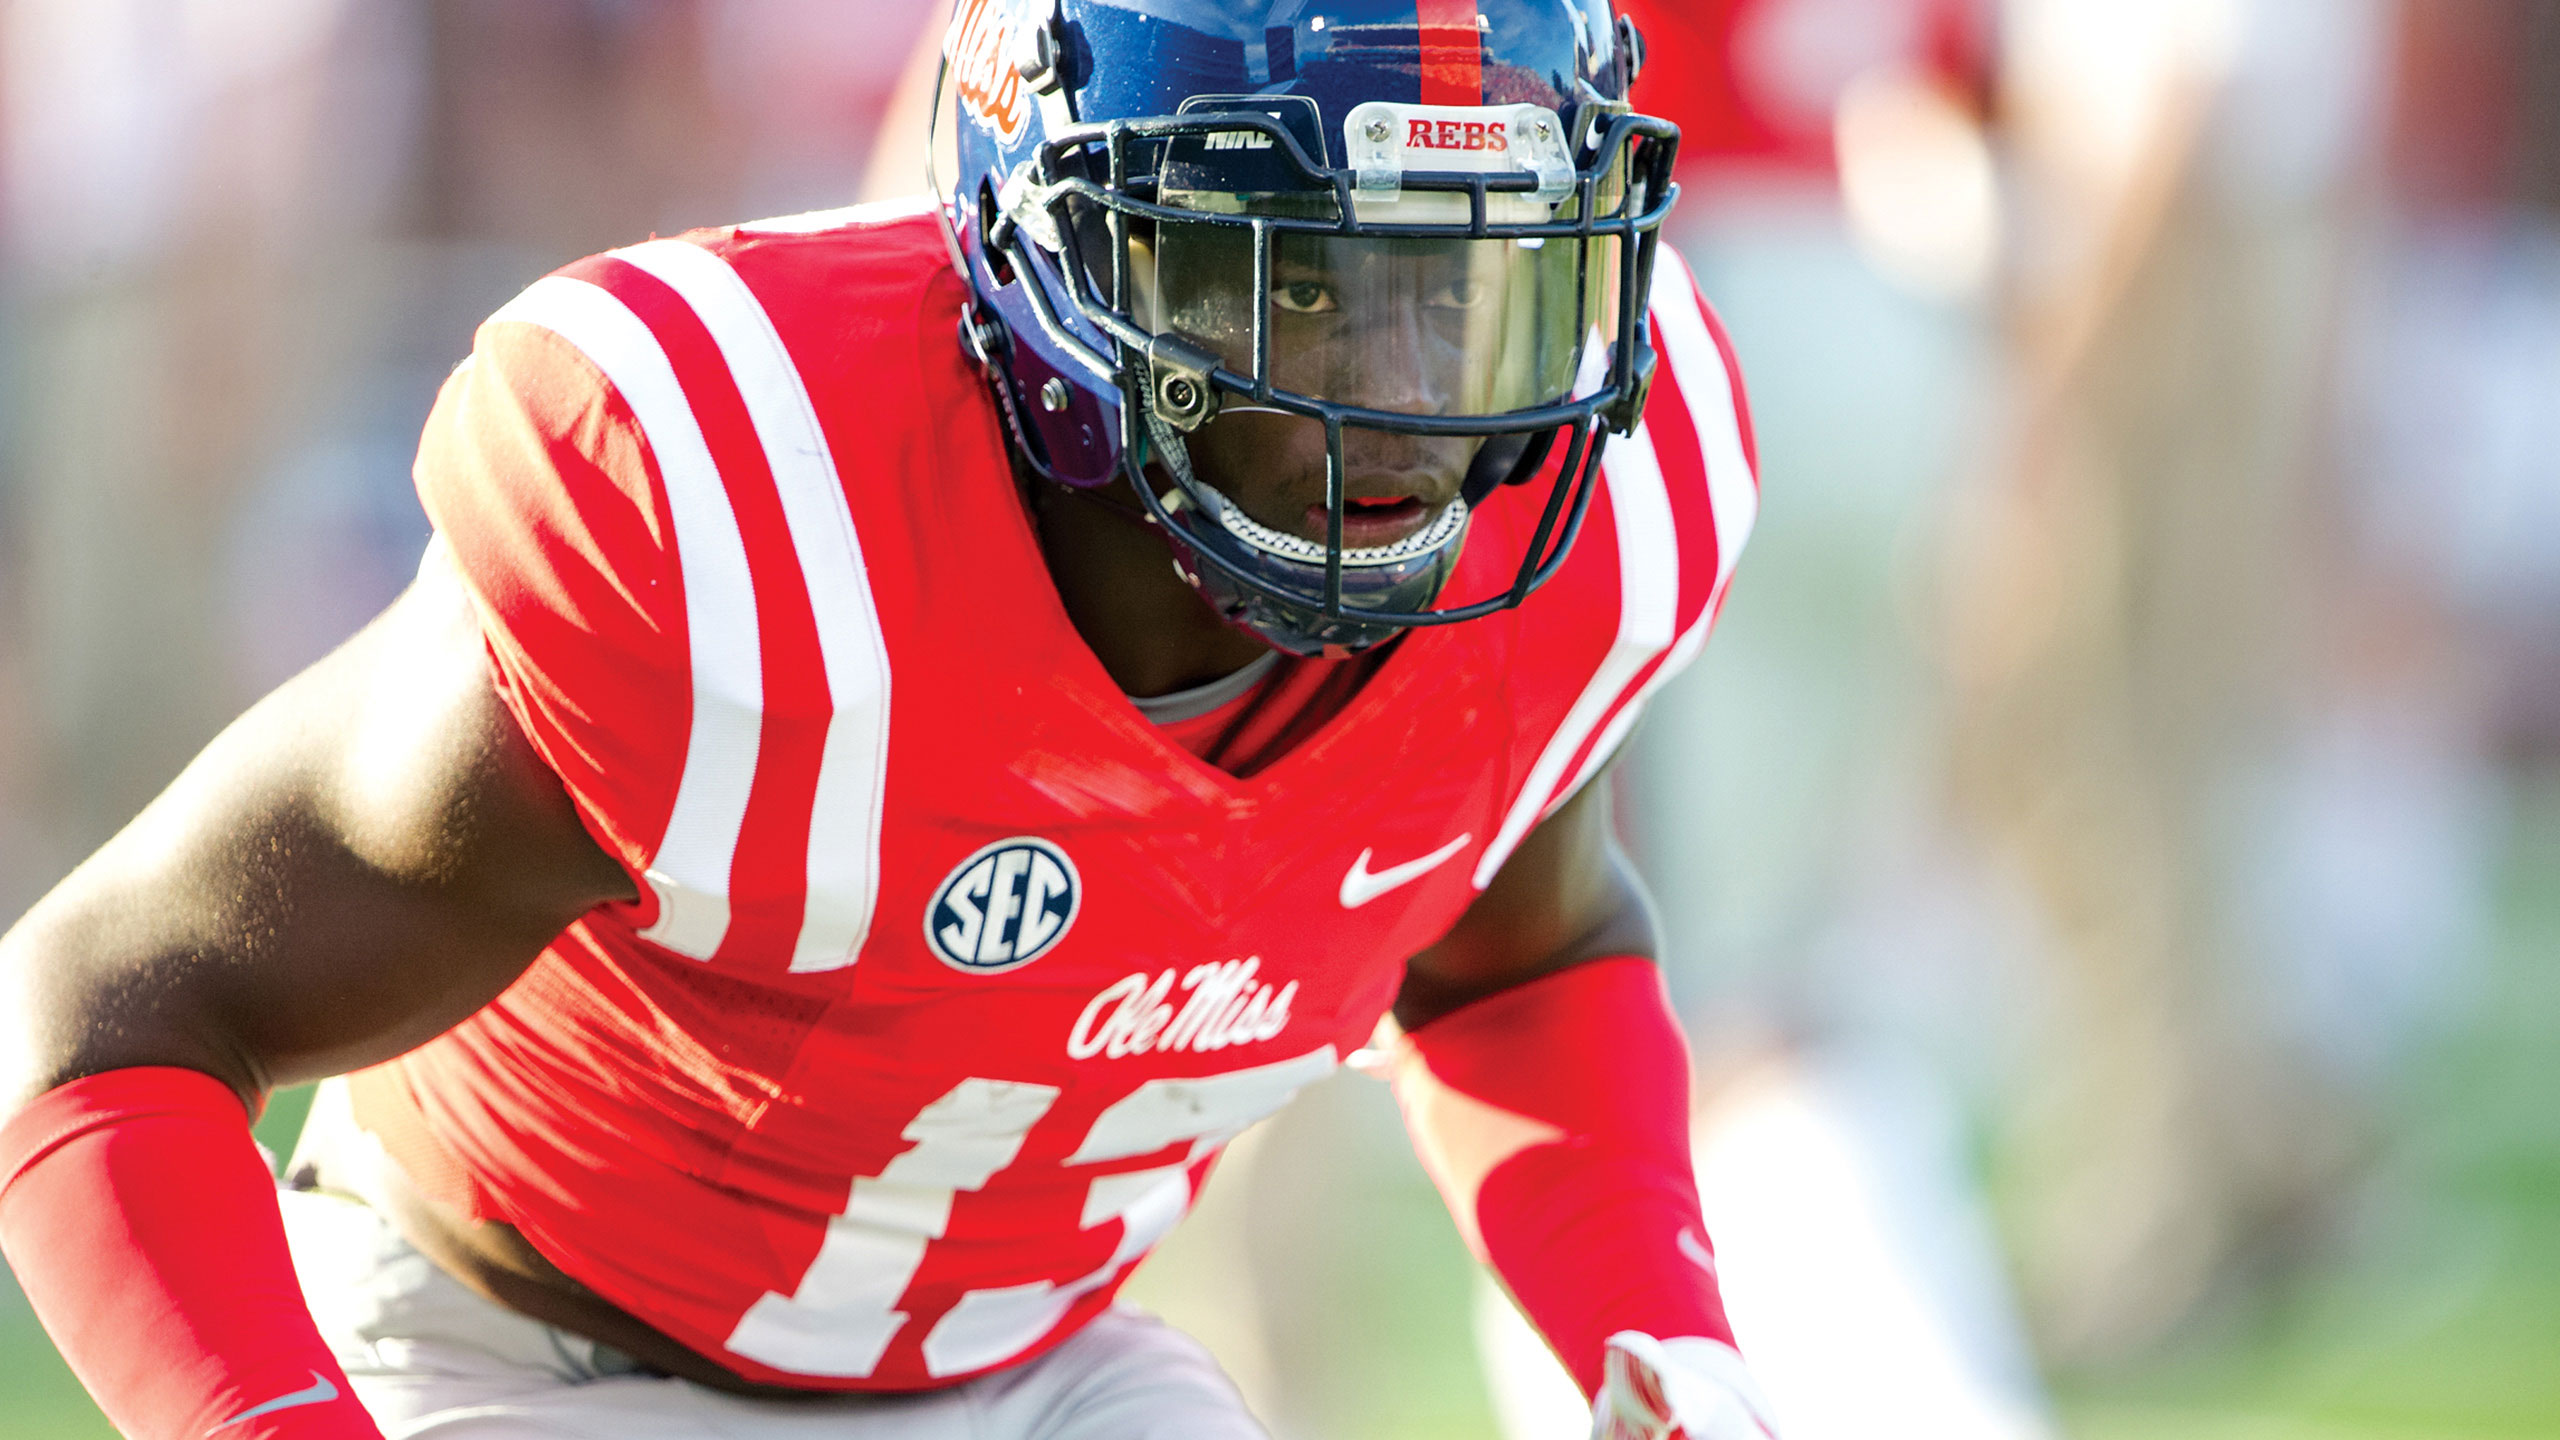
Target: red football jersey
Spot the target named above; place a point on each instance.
(949, 974)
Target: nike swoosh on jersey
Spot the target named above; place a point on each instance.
(1360, 884)
(320, 1392)
(1691, 1246)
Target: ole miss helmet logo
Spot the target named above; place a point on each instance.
(979, 47)
(1003, 907)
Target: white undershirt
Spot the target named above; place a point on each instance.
(1199, 700)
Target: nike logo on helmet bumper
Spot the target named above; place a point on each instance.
(320, 1392)
(1360, 884)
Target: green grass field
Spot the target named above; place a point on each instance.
(2449, 1325)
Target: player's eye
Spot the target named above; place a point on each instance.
(1304, 297)
(1459, 292)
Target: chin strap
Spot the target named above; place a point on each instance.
(1134, 514)
(1166, 444)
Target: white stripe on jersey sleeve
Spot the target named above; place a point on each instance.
(844, 815)
(1707, 386)
(1648, 613)
(1714, 408)
(690, 871)
(1624, 722)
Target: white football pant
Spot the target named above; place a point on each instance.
(433, 1361)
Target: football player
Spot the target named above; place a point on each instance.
(917, 726)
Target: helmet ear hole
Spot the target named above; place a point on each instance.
(988, 213)
(1630, 49)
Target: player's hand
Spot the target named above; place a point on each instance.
(1680, 1389)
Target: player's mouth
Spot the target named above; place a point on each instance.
(1370, 522)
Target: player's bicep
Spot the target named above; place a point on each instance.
(365, 857)
(1567, 895)
(432, 784)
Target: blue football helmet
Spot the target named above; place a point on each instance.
(1398, 249)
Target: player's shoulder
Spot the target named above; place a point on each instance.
(629, 389)
(667, 355)
(867, 264)
(865, 275)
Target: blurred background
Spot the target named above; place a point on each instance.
(2111, 850)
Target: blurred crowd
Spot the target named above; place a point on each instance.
(2109, 851)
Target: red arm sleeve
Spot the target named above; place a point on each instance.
(143, 1226)
(1554, 1117)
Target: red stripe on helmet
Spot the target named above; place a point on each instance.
(1452, 52)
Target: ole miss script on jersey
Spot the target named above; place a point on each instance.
(949, 974)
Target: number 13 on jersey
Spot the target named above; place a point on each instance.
(844, 1313)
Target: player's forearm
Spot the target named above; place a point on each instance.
(142, 1224)
(1554, 1118)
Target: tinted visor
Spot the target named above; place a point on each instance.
(1411, 326)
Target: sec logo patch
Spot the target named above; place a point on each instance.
(1003, 907)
